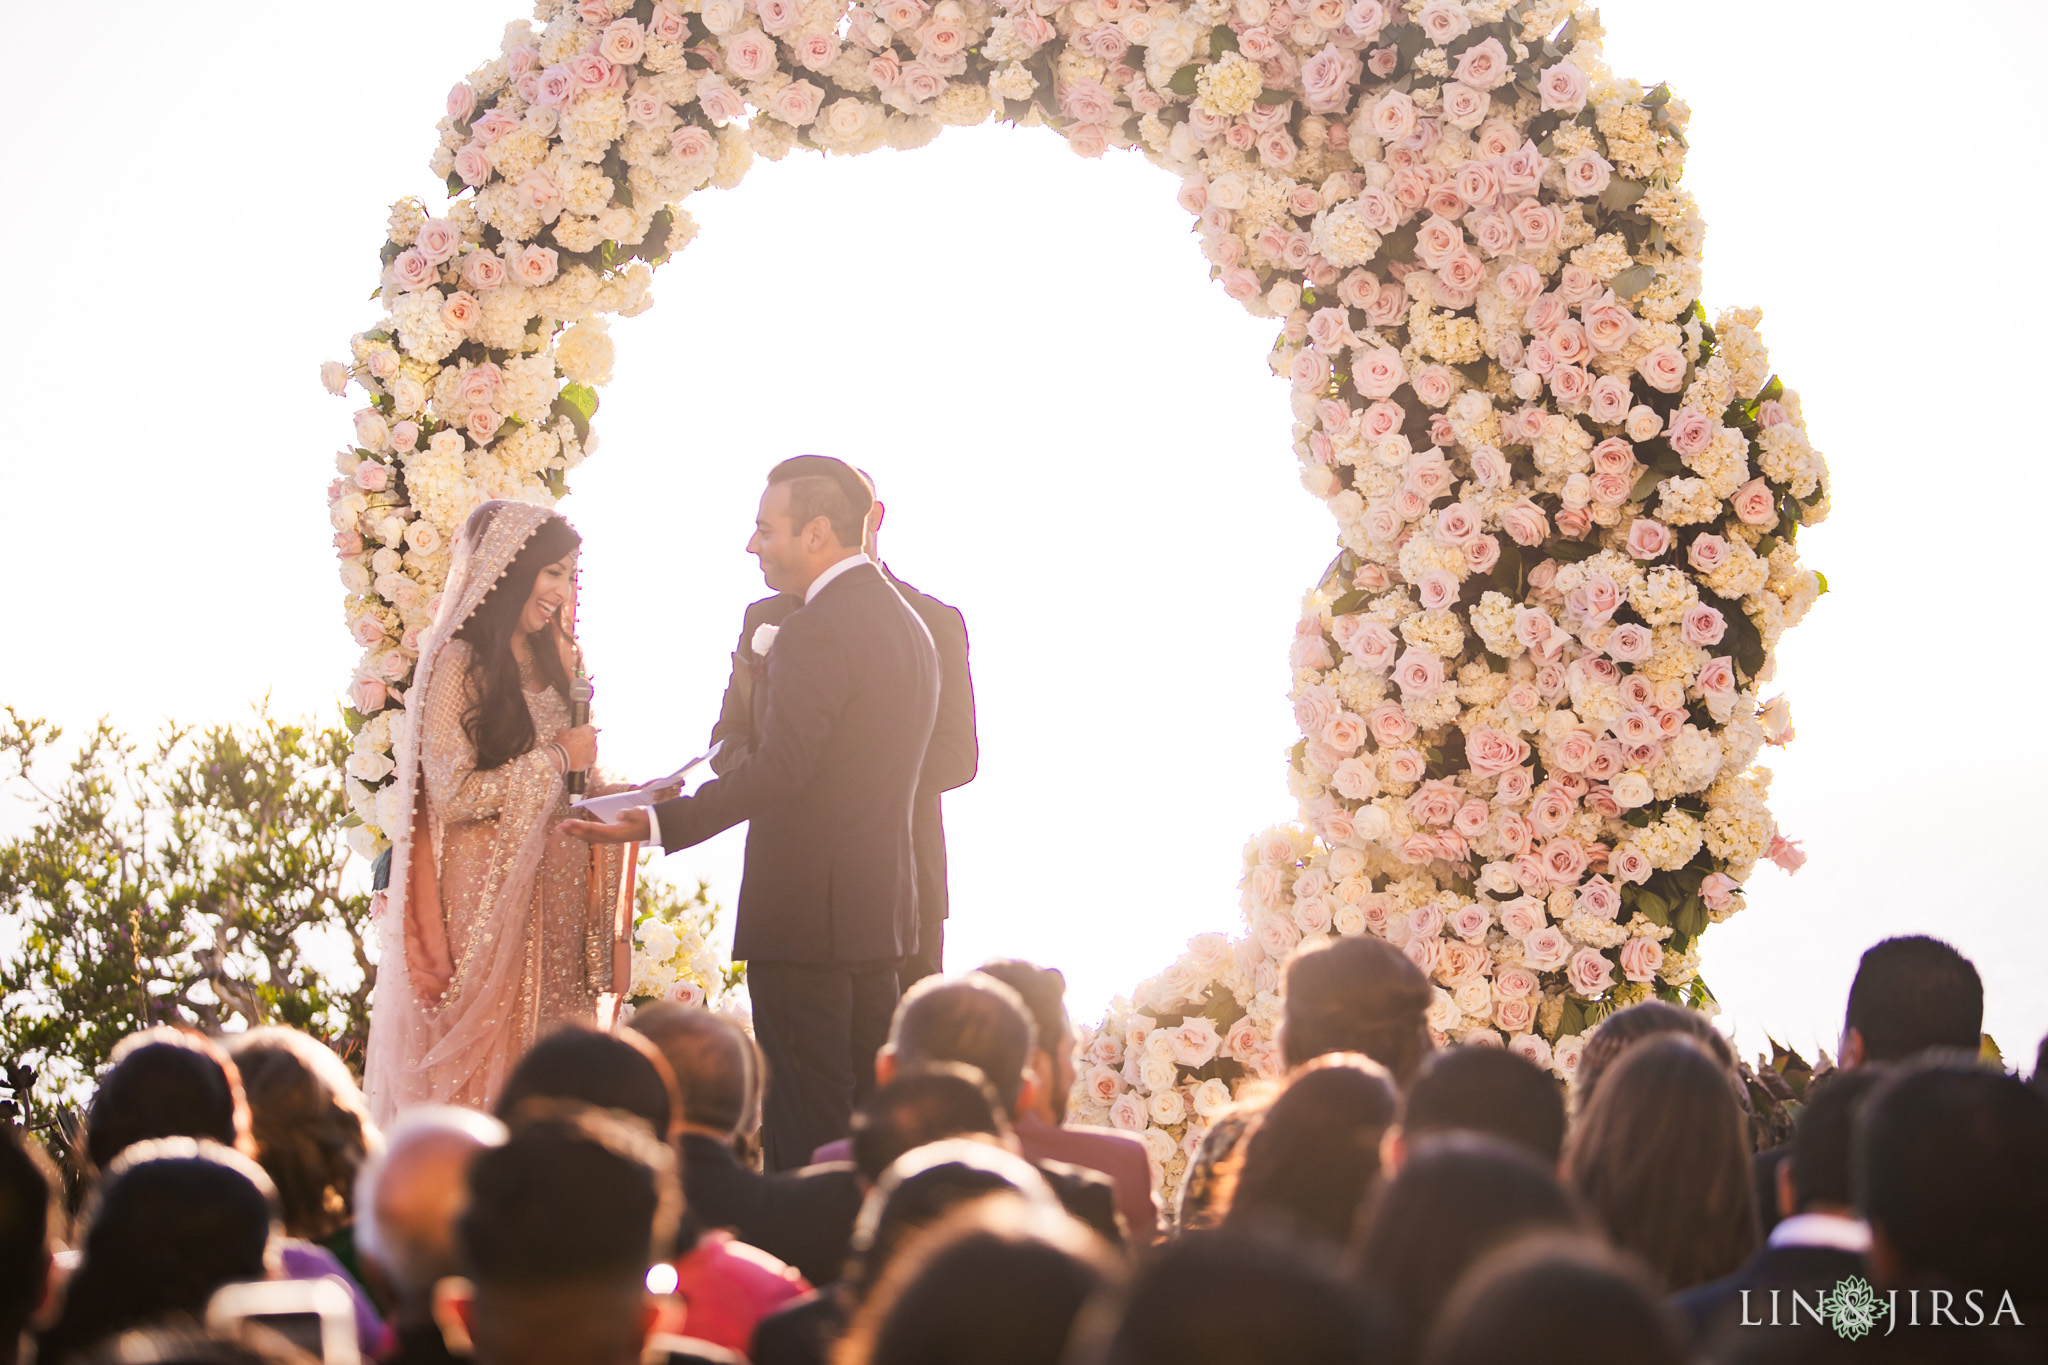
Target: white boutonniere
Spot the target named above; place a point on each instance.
(764, 639)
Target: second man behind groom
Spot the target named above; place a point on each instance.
(950, 760)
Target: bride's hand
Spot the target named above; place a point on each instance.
(581, 743)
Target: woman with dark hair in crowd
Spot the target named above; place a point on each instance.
(1316, 1150)
(1623, 1029)
(1457, 1197)
(166, 1082)
(1554, 1300)
(999, 1282)
(175, 1220)
(489, 938)
(1661, 1158)
(313, 1132)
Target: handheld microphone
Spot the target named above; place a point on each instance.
(580, 692)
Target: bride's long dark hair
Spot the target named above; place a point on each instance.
(499, 725)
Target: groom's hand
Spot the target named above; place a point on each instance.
(629, 828)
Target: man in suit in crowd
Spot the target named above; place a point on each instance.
(805, 1217)
(1819, 1237)
(828, 903)
(950, 760)
(1910, 994)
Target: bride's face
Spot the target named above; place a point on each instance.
(556, 584)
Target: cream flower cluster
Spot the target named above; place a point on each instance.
(675, 959)
(1566, 502)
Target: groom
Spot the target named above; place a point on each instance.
(828, 906)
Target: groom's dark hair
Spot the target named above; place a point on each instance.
(820, 486)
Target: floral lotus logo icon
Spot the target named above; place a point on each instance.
(1853, 1307)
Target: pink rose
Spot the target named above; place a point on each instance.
(1327, 78)
(1243, 286)
(1471, 821)
(1716, 682)
(1524, 523)
(482, 425)
(405, 435)
(1520, 284)
(1640, 959)
(1484, 66)
(1523, 916)
(473, 163)
(1471, 921)
(1630, 644)
(411, 269)
(691, 144)
(1663, 369)
(1405, 765)
(373, 477)
(367, 631)
(483, 270)
(590, 71)
(368, 694)
(1482, 553)
(1513, 1014)
(796, 103)
(1691, 431)
(668, 22)
(1648, 539)
(778, 16)
(1490, 751)
(1590, 972)
(1570, 383)
(1511, 830)
(461, 102)
(1490, 468)
(720, 102)
(1786, 853)
(460, 310)
(1369, 642)
(1378, 372)
(1344, 732)
(1707, 553)
(1718, 891)
(1574, 751)
(1599, 899)
(623, 42)
(1563, 87)
(539, 192)
(1755, 505)
(1703, 626)
(1463, 106)
(1393, 116)
(1533, 626)
(554, 87)
(1434, 803)
(1521, 170)
(1547, 949)
(1457, 524)
(1436, 589)
(1419, 673)
(1609, 325)
(750, 54)
(1551, 811)
(1087, 101)
(535, 265)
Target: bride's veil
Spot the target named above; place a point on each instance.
(425, 1046)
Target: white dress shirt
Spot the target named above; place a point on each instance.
(1823, 1230)
(852, 561)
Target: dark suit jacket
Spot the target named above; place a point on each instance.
(802, 1218)
(950, 760)
(1714, 1308)
(851, 690)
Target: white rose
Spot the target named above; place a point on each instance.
(1166, 1107)
(1156, 1074)
(1631, 789)
(1212, 1098)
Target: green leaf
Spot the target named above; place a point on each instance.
(1646, 484)
(1399, 245)
(1822, 579)
(578, 403)
(1183, 82)
(1659, 97)
(1572, 551)
(455, 184)
(1634, 281)
(1270, 97)
(1621, 194)
(1350, 602)
(1653, 907)
(1221, 40)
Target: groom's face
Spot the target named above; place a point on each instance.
(776, 543)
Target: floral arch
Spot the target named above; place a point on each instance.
(1566, 503)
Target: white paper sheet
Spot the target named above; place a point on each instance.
(607, 809)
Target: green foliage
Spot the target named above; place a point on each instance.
(197, 883)
(578, 403)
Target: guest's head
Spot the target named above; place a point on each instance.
(1623, 1029)
(1316, 1151)
(312, 1129)
(166, 1082)
(525, 601)
(1557, 1301)
(617, 1071)
(1356, 994)
(974, 1019)
(1458, 1197)
(1951, 1169)
(1237, 1298)
(921, 1187)
(1484, 1090)
(997, 1283)
(28, 1224)
(190, 1346)
(939, 1100)
(716, 1068)
(1814, 1177)
(409, 1198)
(1044, 992)
(1911, 994)
(1664, 1107)
(175, 1220)
(564, 1222)
(813, 514)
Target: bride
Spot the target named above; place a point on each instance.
(495, 927)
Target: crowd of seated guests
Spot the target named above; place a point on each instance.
(1384, 1201)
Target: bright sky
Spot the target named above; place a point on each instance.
(1077, 440)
